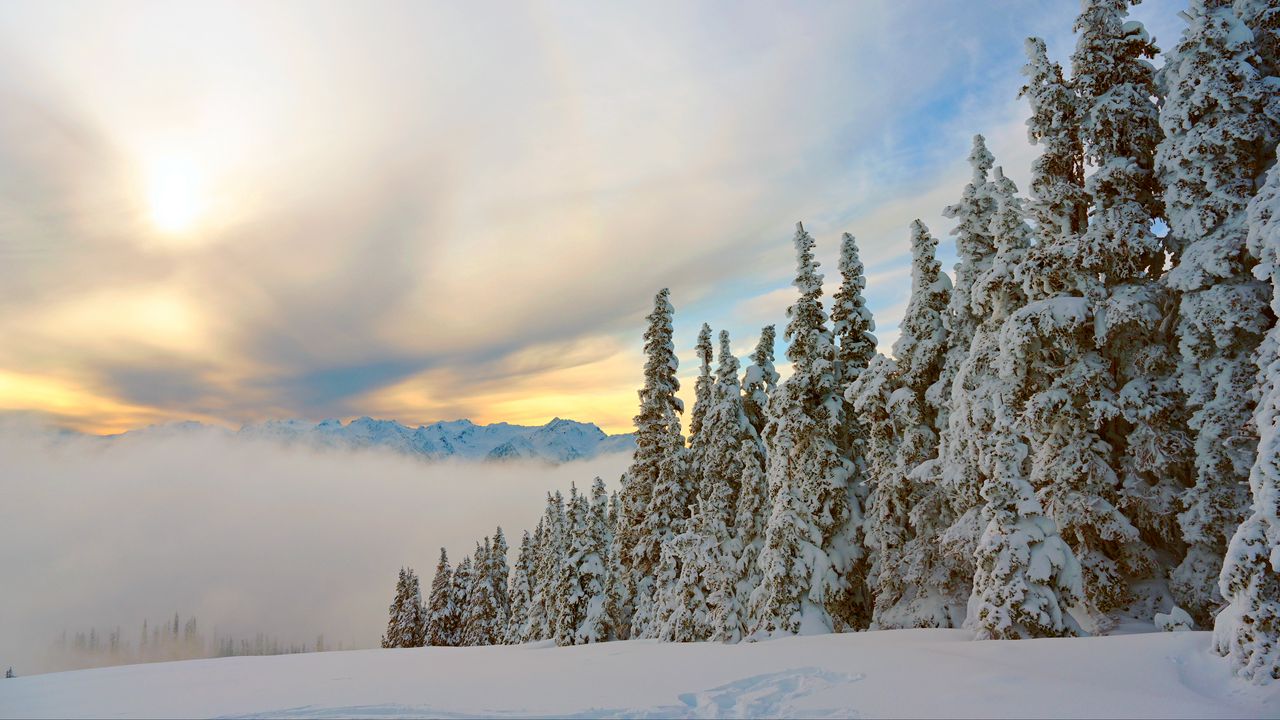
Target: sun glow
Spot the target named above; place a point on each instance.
(174, 195)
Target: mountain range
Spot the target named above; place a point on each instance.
(558, 441)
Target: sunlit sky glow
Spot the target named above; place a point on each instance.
(238, 211)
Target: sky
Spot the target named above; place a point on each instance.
(422, 211)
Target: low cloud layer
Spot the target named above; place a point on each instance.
(249, 537)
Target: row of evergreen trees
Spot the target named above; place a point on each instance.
(1067, 430)
(175, 639)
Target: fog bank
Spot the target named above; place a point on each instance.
(249, 536)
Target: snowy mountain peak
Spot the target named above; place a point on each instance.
(560, 440)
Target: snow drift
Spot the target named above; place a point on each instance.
(896, 673)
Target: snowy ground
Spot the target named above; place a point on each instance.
(915, 673)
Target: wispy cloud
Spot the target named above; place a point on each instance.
(398, 196)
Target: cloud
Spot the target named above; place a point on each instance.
(248, 536)
(403, 193)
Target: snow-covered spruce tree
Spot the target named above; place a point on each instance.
(759, 381)
(701, 394)
(392, 637)
(1214, 121)
(440, 611)
(974, 249)
(479, 620)
(655, 487)
(851, 325)
(521, 592)
(463, 580)
(806, 560)
(1262, 17)
(1063, 386)
(870, 398)
(724, 428)
(1101, 313)
(994, 294)
(536, 621)
(702, 601)
(905, 515)
(591, 549)
(733, 456)
(1248, 630)
(750, 518)
(551, 556)
(1133, 310)
(1026, 577)
(569, 592)
(500, 578)
(618, 591)
(951, 471)
(406, 626)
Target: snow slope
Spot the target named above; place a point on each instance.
(899, 673)
(558, 441)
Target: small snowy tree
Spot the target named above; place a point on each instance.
(750, 518)
(701, 392)
(571, 597)
(759, 381)
(500, 579)
(552, 550)
(440, 611)
(481, 615)
(406, 627)
(1248, 630)
(591, 550)
(521, 593)
(1026, 577)
(463, 579)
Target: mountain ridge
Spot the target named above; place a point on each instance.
(558, 441)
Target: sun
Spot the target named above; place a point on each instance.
(174, 195)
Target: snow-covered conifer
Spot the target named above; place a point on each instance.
(759, 381)
(1119, 122)
(806, 560)
(1214, 120)
(974, 249)
(521, 592)
(701, 390)
(1059, 203)
(500, 578)
(440, 610)
(552, 551)
(1027, 577)
(569, 592)
(851, 321)
(1248, 630)
(655, 489)
(591, 551)
(903, 552)
(481, 616)
(406, 625)
(750, 518)
(463, 579)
